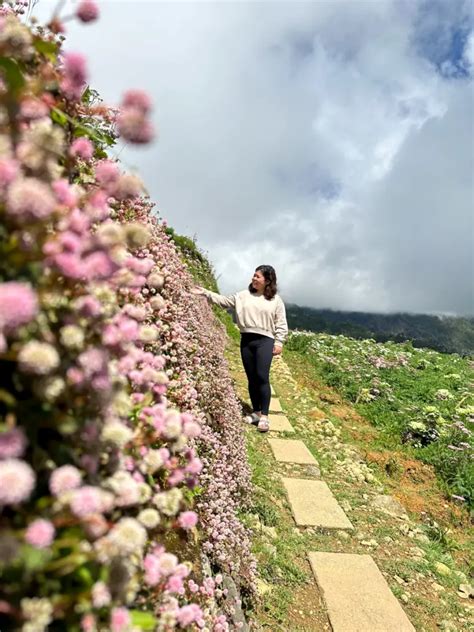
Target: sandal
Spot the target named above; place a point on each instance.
(263, 425)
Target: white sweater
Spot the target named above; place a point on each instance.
(255, 314)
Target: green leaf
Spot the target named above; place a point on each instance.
(35, 559)
(143, 620)
(59, 117)
(12, 74)
(48, 49)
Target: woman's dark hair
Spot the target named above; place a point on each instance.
(270, 277)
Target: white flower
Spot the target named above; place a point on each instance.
(152, 462)
(173, 426)
(149, 518)
(168, 502)
(110, 234)
(122, 404)
(125, 487)
(37, 612)
(38, 357)
(145, 492)
(148, 333)
(50, 388)
(72, 337)
(117, 433)
(129, 536)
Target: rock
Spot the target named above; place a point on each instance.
(262, 587)
(417, 552)
(233, 599)
(421, 537)
(447, 626)
(399, 580)
(389, 506)
(465, 591)
(346, 505)
(270, 531)
(344, 535)
(404, 598)
(370, 543)
(312, 470)
(437, 587)
(442, 569)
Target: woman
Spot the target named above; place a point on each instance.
(261, 319)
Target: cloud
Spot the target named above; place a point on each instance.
(332, 140)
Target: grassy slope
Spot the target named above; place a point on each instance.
(420, 400)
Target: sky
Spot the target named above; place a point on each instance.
(333, 140)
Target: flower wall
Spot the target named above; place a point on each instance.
(122, 464)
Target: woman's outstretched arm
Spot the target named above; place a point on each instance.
(214, 297)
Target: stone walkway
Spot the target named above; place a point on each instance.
(357, 596)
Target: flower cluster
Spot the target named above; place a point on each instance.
(121, 458)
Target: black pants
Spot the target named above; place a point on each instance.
(257, 354)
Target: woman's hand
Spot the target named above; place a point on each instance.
(277, 349)
(198, 291)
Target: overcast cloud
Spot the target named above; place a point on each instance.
(333, 140)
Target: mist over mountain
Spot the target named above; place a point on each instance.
(448, 334)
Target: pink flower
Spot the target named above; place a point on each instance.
(18, 305)
(87, 500)
(12, 443)
(65, 194)
(107, 172)
(8, 171)
(98, 265)
(70, 265)
(192, 429)
(133, 125)
(152, 571)
(95, 525)
(40, 533)
(17, 481)
(137, 99)
(189, 614)
(187, 520)
(119, 620)
(175, 584)
(88, 623)
(87, 11)
(29, 199)
(82, 148)
(89, 306)
(100, 595)
(75, 75)
(64, 479)
(32, 109)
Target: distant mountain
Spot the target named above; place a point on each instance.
(448, 334)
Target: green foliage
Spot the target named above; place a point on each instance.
(421, 398)
(445, 334)
(143, 620)
(196, 261)
(12, 74)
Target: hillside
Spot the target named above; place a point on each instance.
(445, 334)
